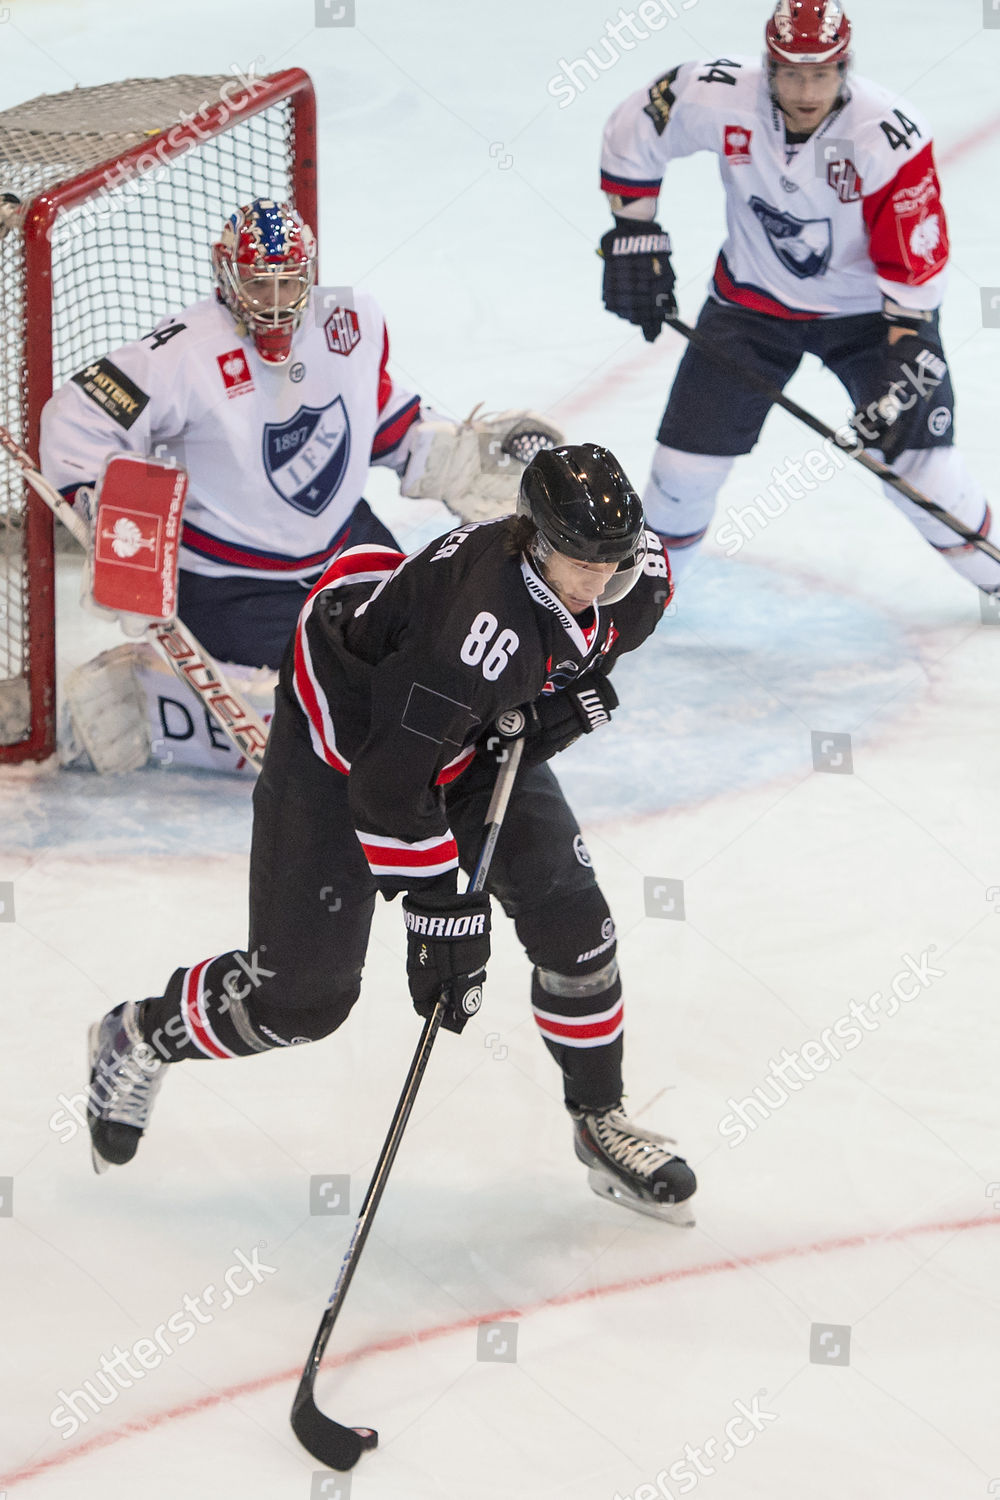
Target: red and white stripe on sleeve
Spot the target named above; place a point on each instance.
(365, 564)
(595, 1030)
(397, 411)
(419, 861)
(907, 229)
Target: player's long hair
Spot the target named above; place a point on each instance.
(519, 533)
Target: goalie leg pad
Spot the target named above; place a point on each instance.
(125, 709)
(105, 711)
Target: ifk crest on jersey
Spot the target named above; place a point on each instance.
(306, 457)
(803, 246)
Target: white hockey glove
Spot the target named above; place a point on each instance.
(474, 466)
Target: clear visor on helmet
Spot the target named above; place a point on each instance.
(564, 580)
(276, 297)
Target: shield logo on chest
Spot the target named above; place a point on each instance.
(306, 457)
(803, 246)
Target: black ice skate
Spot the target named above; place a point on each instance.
(633, 1166)
(125, 1076)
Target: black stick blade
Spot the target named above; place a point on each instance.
(335, 1446)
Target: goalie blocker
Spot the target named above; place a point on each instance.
(134, 541)
(121, 711)
(125, 707)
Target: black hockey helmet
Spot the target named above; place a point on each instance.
(583, 505)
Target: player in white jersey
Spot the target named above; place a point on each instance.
(837, 246)
(275, 396)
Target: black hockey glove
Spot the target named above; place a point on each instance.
(447, 946)
(912, 370)
(555, 722)
(638, 277)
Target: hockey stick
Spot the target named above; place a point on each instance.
(185, 656)
(857, 452)
(337, 1446)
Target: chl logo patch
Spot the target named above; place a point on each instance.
(342, 331)
(306, 457)
(843, 178)
(235, 373)
(736, 144)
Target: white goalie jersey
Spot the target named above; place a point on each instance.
(819, 229)
(276, 455)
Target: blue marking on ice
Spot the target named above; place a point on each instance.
(724, 697)
(146, 812)
(747, 664)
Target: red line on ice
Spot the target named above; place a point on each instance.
(947, 158)
(445, 1330)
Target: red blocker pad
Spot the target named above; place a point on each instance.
(136, 536)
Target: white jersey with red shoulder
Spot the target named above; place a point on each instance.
(276, 455)
(822, 228)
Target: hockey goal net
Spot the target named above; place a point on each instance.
(109, 200)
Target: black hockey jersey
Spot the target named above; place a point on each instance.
(401, 666)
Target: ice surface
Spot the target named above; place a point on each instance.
(456, 189)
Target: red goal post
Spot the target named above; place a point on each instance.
(109, 200)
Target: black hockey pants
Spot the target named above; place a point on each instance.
(311, 902)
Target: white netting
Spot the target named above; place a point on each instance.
(138, 248)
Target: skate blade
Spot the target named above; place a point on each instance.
(605, 1186)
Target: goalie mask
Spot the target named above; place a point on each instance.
(265, 268)
(584, 507)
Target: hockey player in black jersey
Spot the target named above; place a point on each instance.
(378, 772)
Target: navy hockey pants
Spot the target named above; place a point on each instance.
(250, 620)
(712, 410)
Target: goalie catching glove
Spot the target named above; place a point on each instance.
(447, 946)
(474, 466)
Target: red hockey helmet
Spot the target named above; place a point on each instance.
(265, 268)
(808, 31)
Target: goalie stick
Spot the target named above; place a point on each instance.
(853, 449)
(335, 1445)
(185, 656)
